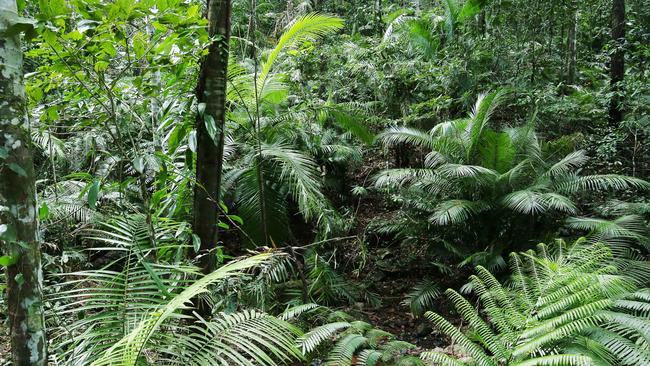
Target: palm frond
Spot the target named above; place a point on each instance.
(405, 135)
(300, 172)
(601, 182)
(308, 27)
(530, 202)
(422, 297)
(401, 177)
(243, 338)
(568, 164)
(453, 212)
(128, 350)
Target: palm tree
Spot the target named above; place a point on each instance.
(499, 181)
(270, 166)
(135, 308)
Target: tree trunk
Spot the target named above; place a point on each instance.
(211, 93)
(571, 44)
(482, 26)
(617, 62)
(379, 22)
(18, 225)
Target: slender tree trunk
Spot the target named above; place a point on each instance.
(18, 225)
(211, 93)
(571, 44)
(379, 22)
(155, 105)
(482, 26)
(259, 159)
(617, 62)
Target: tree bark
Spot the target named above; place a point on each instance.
(617, 62)
(18, 225)
(211, 92)
(379, 22)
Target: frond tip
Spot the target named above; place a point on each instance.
(422, 297)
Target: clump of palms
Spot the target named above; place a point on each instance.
(487, 187)
(272, 167)
(137, 309)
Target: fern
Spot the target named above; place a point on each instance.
(563, 299)
(314, 337)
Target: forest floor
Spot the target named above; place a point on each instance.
(397, 319)
(389, 279)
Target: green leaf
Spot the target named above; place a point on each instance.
(352, 123)
(138, 164)
(93, 192)
(201, 108)
(236, 219)
(7, 260)
(18, 169)
(7, 233)
(52, 8)
(139, 45)
(43, 211)
(101, 66)
(109, 49)
(196, 242)
(211, 126)
(35, 93)
(496, 151)
(191, 141)
(470, 9)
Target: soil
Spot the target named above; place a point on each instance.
(393, 282)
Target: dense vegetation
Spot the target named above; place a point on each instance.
(228, 182)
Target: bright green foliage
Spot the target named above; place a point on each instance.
(567, 306)
(139, 309)
(111, 88)
(352, 343)
(275, 150)
(238, 338)
(477, 176)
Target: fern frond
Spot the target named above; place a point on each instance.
(312, 339)
(344, 349)
(298, 310)
(557, 360)
(127, 350)
(459, 338)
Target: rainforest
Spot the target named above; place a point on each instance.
(325, 182)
